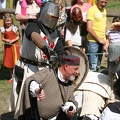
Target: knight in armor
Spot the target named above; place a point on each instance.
(48, 94)
(41, 47)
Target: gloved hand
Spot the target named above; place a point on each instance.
(67, 106)
(51, 55)
(53, 58)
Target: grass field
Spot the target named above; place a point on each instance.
(112, 8)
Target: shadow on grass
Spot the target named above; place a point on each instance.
(4, 73)
(7, 116)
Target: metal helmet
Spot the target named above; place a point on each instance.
(49, 15)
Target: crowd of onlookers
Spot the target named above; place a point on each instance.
(85, 30)
(25, 10)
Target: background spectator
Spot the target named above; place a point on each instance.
(10, 35)
(76, 31)
(96, 38)
(113, 37)
(62, 17)
(27, 9)
(113, 48)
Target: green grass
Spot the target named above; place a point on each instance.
(112, 7)
(4, 93)
(1, 54)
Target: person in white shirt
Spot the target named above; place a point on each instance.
(76, 29)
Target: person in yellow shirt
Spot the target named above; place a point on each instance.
(96, 39)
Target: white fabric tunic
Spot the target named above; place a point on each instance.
(29, 51)
(75, 38)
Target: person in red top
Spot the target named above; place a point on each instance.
(10, 37)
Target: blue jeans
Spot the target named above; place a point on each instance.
(95, 51)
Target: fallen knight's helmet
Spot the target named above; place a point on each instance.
(49, 15)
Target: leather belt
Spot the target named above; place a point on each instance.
(35, 63)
